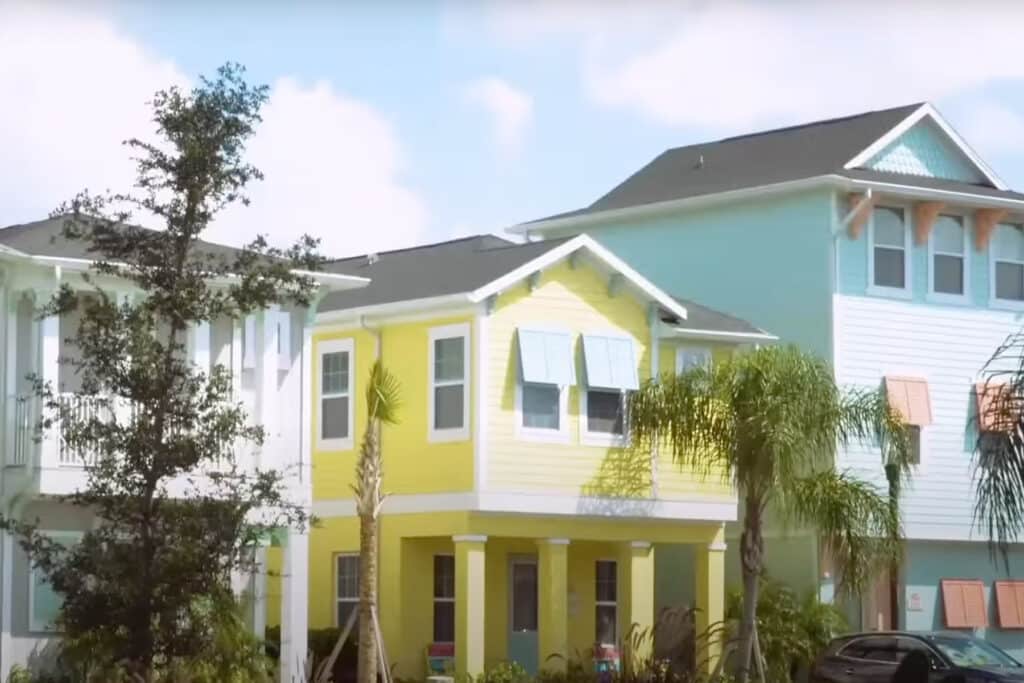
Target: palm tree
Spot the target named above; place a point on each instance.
(382, 403)
(999, 451)
(770, 421)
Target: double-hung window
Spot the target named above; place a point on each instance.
(890, 249)
(449, 395)
(611, 367)
(949, 257)
(444, 598)
(347, 593)
(546, 370)
(1008, 263)
(689, 357)
(336, 375)
(606, 613)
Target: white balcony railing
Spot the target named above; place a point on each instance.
(25, 416)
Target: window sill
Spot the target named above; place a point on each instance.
(890, 292)
(951, 299)
(604, 440)
(335, 445)
(447, 435)
(1006, 304)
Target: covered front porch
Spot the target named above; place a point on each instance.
(535, 590)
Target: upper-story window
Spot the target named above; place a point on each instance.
(449, 397)
(336, 376)
(611, 367)
(546, 371)
(948, 246)
(890, 249)
(1008, 263)
(688, 357)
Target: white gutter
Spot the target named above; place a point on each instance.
(831, 180)
(396, 308)
(717, 335)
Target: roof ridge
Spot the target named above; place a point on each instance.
(442, 243)
(798, 126)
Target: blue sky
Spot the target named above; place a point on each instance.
(392, 123)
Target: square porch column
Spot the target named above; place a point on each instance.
(294, 606)
(470, 597)
(553, 602)
(640, 589)
(710, 599)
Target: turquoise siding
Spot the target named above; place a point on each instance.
(741, 257)
(925, 150)
(853, 269)
(928, 563)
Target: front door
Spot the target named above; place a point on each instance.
(522, 635)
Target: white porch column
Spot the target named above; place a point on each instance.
(266, 373)
(294, 605)
(7, 588)
(199, 345)
(49, 373)
(10, 386)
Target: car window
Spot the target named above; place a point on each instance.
(907, 645)
(873, 648)
(973, 652)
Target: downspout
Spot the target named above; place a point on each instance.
(654, 324)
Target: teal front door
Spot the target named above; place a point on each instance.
(522, 634)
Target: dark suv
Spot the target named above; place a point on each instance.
(873, 658)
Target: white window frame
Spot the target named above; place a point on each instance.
(993, 300)
(33, 625)
(682, 349)
(945, 297)
(249, 342)
(607, 603)
(907, 291)
(284, 340)
(346, 345)
(560, 435)
(337, 598)
(591, 438)
(437, 599)
(460, 330)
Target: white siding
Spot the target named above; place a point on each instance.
(948, 346)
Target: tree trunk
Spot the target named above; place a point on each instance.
(367, 663)
(751, 559)
(892, 476)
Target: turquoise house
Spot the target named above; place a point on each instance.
(884, 243)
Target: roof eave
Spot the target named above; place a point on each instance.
(720, 335)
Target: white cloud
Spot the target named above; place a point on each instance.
(736, 66)
(74, 87)
(511, 109)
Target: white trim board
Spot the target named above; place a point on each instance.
(714, 509)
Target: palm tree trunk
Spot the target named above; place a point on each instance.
(368, 502)
(892, 475)
(751, 560)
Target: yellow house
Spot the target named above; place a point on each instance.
(518, 524)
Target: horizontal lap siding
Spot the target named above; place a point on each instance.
(577, 300)
(948, 346)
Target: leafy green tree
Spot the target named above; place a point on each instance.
(770, 422)
(383, 398)
(180, 505)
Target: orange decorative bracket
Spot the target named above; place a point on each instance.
(860, 208)
(925, 214)
(985, 222)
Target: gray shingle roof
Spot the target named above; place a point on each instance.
(765, 158)
(702, 318)
(453, 267)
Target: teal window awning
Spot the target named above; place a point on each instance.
(610, 363)
(545, 357)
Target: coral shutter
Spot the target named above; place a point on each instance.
(1010, 603)
(964, 603)
(909, 397)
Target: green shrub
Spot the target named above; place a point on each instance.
(505, 672)
(321, 642)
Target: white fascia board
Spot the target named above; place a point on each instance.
(334, 282)
(563, 250)
(717, 335)
(966, 199)
(396, 308)
(903, 126)
(669, 206)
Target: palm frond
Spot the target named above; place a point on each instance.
(383, 395)
(857, 522)
(866, 416)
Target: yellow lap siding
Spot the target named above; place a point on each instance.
(577, 300)
(412, 464)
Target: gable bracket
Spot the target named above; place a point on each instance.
(925, 214)
(533, 280)
(614, 284)
(860, 209)
(574, 259)
(985, 222)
